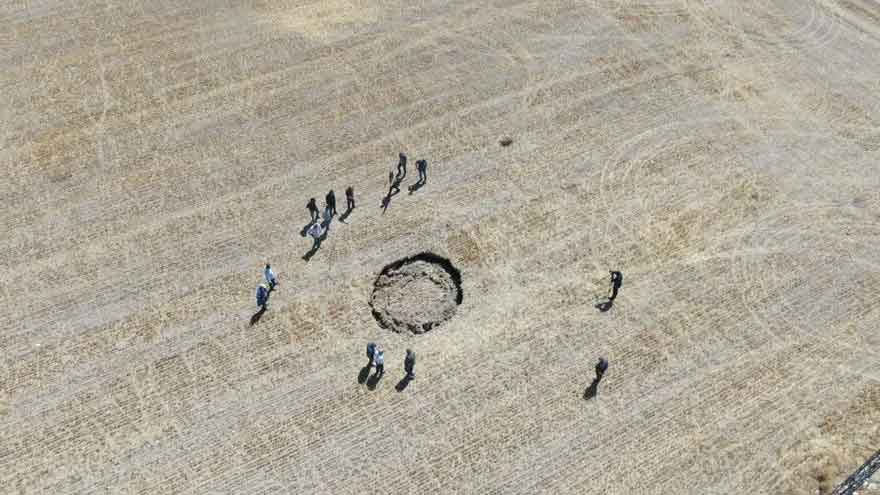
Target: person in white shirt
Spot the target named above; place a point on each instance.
(379, 361)
(316, 231)
(270, 277)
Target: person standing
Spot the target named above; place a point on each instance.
(409, 363)
(317, 232)
(313, 209)
(616, 282)
(422, 167)
(262, 296)
(593, 389)
(601, 367)
(331, 202)
(371, 353)
(401, 167)
(270, 277)
(349, 198)
(379, 361)
(328, 217)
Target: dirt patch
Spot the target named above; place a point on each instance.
(416, 294)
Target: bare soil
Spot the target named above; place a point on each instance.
(724, 155)
(416, 294)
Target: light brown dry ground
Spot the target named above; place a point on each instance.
(725, 155)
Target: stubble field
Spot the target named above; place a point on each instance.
(725, 156)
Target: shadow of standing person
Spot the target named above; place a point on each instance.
(255, 318)
(364, 374)
(392, 191)
(373, 382)
(402, 384)
(604, 306)
(592, 390)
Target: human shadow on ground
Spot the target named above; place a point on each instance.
(373, 381)
(364, 374)
(605, 306)
(402, 384)
(394, 190)
(345, 214)
(593, 389)
(317, 245)
(415, 187)
(256, 316)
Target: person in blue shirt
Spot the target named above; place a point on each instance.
(270, 277)
(371, 353)
(262, 296)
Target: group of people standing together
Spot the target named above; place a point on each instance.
(376, 357)
(317, 228)
(263, 290)
(394, 180)
(375, 353)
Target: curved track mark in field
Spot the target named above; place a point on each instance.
(788, 232)
(816, 27)
(640, 8)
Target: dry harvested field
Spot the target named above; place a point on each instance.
(725, 155)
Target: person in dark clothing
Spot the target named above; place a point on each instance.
(371, 353)
(262, 296)
(422, 167)
(401, 167)
(616, 282)
(409, 363)
(331, 202)
(601, 367)
(313, 209)
(593, 389)
(349, 198)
